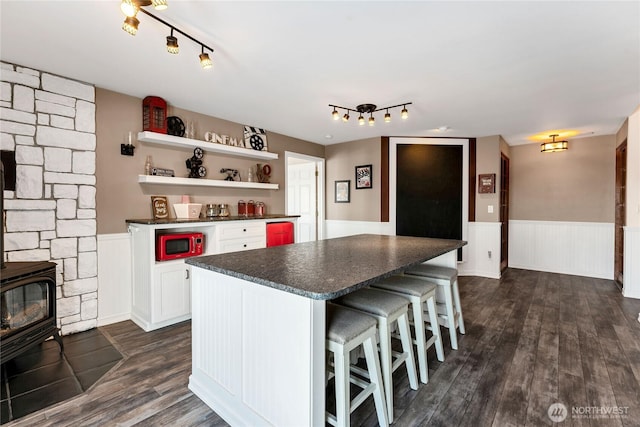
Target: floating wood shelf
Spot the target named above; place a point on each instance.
(199, 182)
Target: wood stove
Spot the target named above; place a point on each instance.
(27, 307)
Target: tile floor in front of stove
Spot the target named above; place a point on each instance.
(42, 376)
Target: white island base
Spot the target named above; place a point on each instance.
(258, 353)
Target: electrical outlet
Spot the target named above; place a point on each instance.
(489, 253)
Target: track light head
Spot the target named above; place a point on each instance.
(345, 118)
(172, 44)
(404, 113)
(205, 61)
(130, 25)
(159, 4)
(387, 117)
(129, 7)
(335, 114)
(372, 121)
(361, 120)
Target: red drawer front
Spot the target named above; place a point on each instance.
(279, 233)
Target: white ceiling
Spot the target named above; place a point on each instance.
(479, 68)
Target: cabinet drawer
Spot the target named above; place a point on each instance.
(235, 245)
(239, 231)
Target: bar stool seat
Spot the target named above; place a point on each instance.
(447, 296)
(387, 309)
(348, 329)
(419, 292)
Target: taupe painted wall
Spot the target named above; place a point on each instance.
(341, 160)
(120, 197)
(574, 185)
(488, 161)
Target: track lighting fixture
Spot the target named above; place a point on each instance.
(131, 8)
(368, 108)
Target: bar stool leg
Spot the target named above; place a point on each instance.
(451, 318)
(435, 327)
(386, 360)
(456, 299)
(421, 340)
(371, 356)
(343, 400)
(407, 345)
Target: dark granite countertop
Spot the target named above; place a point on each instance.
(151, 221)
(327, 269)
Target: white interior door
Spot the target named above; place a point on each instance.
(304, 194)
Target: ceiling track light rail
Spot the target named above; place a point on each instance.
(368, 109)
(131, 26)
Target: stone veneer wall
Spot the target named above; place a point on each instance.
(49, 122)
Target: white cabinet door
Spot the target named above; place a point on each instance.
(172, 292)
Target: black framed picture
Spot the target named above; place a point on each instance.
(342, 191)
(364, 178)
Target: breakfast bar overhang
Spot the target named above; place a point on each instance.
(258, 320)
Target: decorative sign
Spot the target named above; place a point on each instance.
(255, 138)
(160, 207)
(223, 139)
(487, 183)
(363, 177)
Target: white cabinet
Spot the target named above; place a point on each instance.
(161, 292)
(240, 236)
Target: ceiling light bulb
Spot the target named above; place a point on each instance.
(129, 8)
(345, 118)
(335, 114)
(361, 120)
(372, 121)
(387, 117)
(172, 44)
(205, 61)
(130, 25)
(159, 4)
(404, 113)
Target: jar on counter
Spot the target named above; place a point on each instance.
(212, 210)
(242, 208)
(260, 209)
(224, 210)
(251, 208)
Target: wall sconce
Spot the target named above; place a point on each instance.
(553, 145)
(368, 109)
(128, 148)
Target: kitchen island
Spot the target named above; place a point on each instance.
(258, 320)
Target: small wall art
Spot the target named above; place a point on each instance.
(159, 207)
(363, 177)
(255, 138)
(342, 191)
(487, 183)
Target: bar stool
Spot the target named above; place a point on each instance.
(346, 330)
(418, 292)
(387, 309)
(447, 293)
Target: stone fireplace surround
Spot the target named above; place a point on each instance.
(48, 121)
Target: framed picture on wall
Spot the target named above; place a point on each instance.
(342, 191)
(363, 177)
(159, 207)
(487, 183)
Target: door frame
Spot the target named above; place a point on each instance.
(504, 211)
(320, 188)
(620, 213)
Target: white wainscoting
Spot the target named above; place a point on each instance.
(631, 267)
(337, 228)
(578, 248)
(114, 278)
(483, 250)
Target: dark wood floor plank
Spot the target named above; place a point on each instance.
(532, 338)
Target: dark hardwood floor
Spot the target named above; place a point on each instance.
(533, 339)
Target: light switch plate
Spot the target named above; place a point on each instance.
(490, 209)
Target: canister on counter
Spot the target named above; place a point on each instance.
(251, 208)
(242, 208)
(260, 208)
